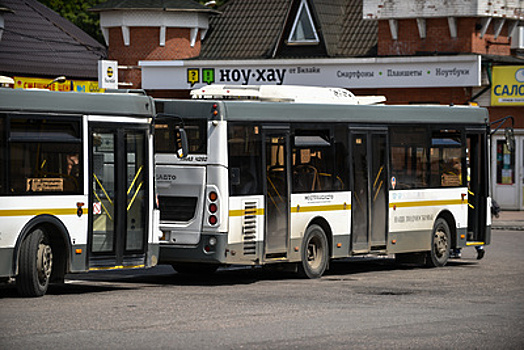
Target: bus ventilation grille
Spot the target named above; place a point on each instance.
(249, 228)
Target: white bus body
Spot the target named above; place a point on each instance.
(76, 188)
(305, 183)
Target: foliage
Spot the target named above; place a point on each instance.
(76, 11)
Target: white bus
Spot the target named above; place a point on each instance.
(76, 185)
(272, 179)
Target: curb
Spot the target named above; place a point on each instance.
(509, 226)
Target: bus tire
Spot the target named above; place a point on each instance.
(35, 265)
(440, 244)
(314, 253)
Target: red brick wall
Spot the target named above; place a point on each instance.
(144, 45)
(456, 95)
(438, 38)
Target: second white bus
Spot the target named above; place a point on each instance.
(303, 183)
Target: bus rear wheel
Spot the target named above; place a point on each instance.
(440, 244)
(35, 265)
(314, 253)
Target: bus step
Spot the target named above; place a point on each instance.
(473, 243)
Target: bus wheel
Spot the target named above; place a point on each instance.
(35, 265)
(440, 244)
(314, 253)
(195, 268)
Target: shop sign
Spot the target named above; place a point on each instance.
(108, 74)
(507, 87)
(67, 86)
(441, 71)
(41, 83)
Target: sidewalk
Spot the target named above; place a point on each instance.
(509, 220)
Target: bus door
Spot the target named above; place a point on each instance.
(477, 180)
(370, 189)
(276, 193)
(118, 196)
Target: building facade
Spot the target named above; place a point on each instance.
(411, 51)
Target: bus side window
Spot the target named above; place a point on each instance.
(44, 156)
(409, 161)
(245, 157)
(446, 159)
(3, 155)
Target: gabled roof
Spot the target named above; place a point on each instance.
(39, 42)
(161, 5)
(245, 29)
(254, 29)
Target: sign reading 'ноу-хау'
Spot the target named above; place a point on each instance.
(441, 71)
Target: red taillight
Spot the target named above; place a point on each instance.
(213, 220)
(213, 208)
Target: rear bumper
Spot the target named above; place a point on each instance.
(203, 252)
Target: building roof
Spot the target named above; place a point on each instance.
(162, 5)
(39, 42)
(254, 29)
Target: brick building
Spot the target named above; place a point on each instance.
(411, 51)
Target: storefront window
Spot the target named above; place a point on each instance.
(505, 164)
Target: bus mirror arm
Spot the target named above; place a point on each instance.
(509, 134)
(183, 150)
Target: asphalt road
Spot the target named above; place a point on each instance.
(361, 303)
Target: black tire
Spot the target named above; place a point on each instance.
(35, 265)
(195, 268)
(314, 253)
(440, 244)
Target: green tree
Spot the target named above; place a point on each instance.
(76, 11)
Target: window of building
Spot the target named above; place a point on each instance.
(303, 30)
(505, 164)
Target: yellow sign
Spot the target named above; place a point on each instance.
(507, 87)
(68, 85)
(86, 86)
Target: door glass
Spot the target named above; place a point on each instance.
(505, 164)
(136, 190)
(277, 211)
(359, 207)
(378, 190)
(103, 183)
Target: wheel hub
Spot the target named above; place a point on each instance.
(44, 262)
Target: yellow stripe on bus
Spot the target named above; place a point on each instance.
(244, 212)
(34, 212)
(432, 203)
(334, 207)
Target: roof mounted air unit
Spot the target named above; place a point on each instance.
(285, 93)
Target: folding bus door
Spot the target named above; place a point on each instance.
(118, 196)
(477, 177)
(369, 191)
(277, 193)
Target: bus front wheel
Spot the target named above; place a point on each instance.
(440, 244)
(314, 253)
(35, 265)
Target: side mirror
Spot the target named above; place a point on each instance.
(182, 144)
(510, 139)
